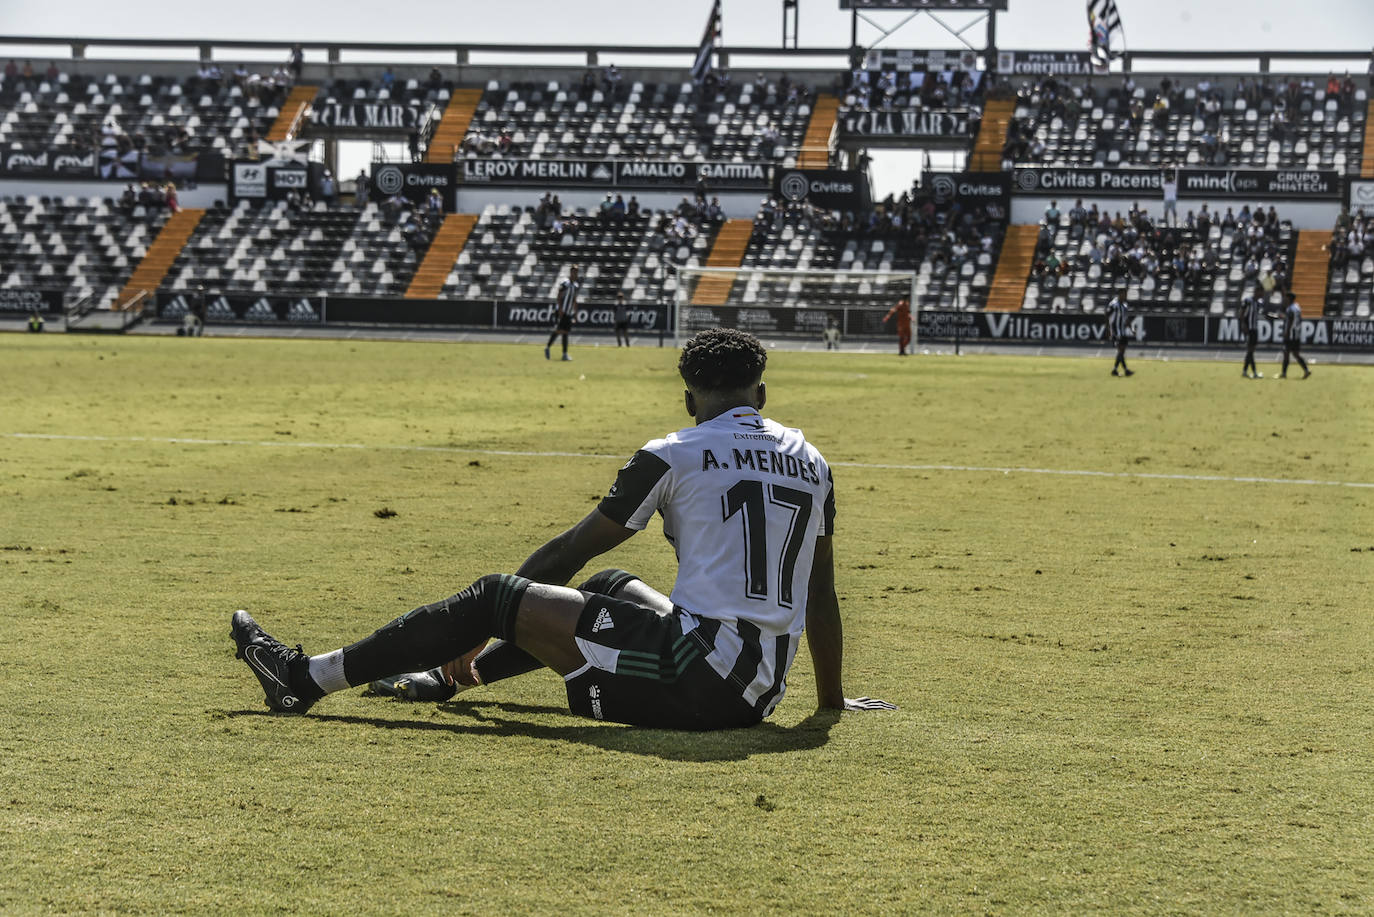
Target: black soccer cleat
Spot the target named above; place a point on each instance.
(270, 660)
(428, 686)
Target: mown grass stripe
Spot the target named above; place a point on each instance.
(873, 466)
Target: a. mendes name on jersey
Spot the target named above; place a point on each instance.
(767, 461)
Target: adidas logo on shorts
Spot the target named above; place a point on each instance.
(595, 694)
(603, 621)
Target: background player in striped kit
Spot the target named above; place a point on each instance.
(1118, 326)
(564, 310)
(748, 506)
(1251, 310)
(1292, 337)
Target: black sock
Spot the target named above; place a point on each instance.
(432, 635)
(506, 660)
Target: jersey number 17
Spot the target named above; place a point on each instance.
(747, 498)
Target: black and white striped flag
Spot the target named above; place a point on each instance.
(1103, 20)
(702, 66)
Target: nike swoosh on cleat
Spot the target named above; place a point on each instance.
(250, 655)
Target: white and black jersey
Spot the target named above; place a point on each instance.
(1251, 310)
(743, 500)
(1118, 318)
(565, 304)
(1292, 321)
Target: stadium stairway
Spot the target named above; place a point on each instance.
(815, 148)
(1310, 267)
(453, 125)
(293, 113)
(148, 276)
(992, 135)
(443, 253)
(728, 251)
(1008, 290)
(1367, 163)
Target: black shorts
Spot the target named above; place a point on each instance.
(564, 323)
(643, 670)
(623, 326)
(1293, 344)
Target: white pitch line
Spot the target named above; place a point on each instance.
(874, 466)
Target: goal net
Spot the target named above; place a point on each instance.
(794, 303)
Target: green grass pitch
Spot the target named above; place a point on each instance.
(1147, 691)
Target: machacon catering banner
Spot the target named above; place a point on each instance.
(931, 123)
(608, 174)
(497, 315)
(1296, 184)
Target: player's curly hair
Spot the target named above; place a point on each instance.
(722, 360)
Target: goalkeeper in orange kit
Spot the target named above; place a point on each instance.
(902, 312)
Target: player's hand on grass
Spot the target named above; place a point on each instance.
(867, 703)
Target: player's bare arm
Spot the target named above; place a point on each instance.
(554, 562)
(824, 630)
(559, 559)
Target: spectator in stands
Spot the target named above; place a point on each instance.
(632, 209)
(1160, 112)
(128, 200)
(11, 71)
(361, 187)
(1168, 183)
(387, 79)
(436, 79)
(610, 81)
(52, 73)
(434, 205)
(296, 62)
(394, 206)
(329, 188)
(169, 197)
(1052, 215)
(617, 211)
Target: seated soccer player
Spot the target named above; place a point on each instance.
(749, 506)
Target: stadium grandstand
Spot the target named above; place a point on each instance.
(143, 189)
